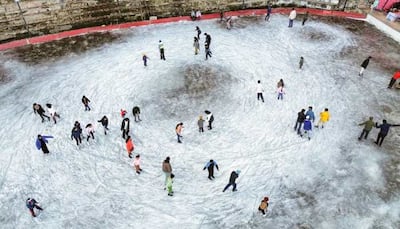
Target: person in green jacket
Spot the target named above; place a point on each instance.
(368, 125)
(169, 185)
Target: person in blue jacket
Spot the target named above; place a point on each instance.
(232, 181)
(307, 127)
(76, 134)
(31, 204)
(385, 127)
(41, 143)
(310, 113)
(210, 167)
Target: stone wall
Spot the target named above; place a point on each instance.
(39, 17)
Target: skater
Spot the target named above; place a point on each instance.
(37, 109)
(178, 130)
(208, 39)
(292, 16)
(31, 204)
(323, 118)
(280, 92)
(367, 128)
(269, 11)
(198, 32)
(200, 123)
(136, 113)
(161, 48)
(301, 62)
(41, 143)
(52, 112)
(209, 119)
(76, 134)
(129, 146)
(280, 83)
(364, 65)
(89, 131)
(104, 123)
(385, 127)
(260, 90)
(196, 46)
(169, 184)
(299, 121)
(263, 205)
(310, 113)
(395, 77)
(136, 163)
(145, 58)
(86, 102)
(305, 18)
(167, 169)
(125, 128)
(210, 167)
(232, 179)
(207, 50)
(307, 128)
(123, 113)
(229, 23)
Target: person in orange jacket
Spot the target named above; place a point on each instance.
(129, 146)
(395, 77)
(323, 118)
(178, 130)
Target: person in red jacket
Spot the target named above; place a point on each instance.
(129, 146)
(395, 77)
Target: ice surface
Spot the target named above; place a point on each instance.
(332, 181)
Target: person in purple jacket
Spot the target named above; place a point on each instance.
(41, 143)
(307, 127)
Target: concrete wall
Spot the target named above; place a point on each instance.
(39, 17)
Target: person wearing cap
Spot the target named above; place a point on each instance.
(367, 128)
(178, 130)
(385, 127)
(232, 181)
(364, 65)
(210, 167)
(307, 127)
(263, 205)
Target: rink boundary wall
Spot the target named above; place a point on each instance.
(248, 12)
(384, 28)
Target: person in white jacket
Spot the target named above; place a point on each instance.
(52, 112)
(136, 164)
(280, 92)
(292, 16)
(89, 131)
(209, 119)
(260, 91)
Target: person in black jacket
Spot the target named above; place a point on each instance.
(364, 65)
(86, 102)
(210, 167)
(385, 127)
(136, 113)
(300, 120)
(208, 39)
(232, 181)
(125, 128)
(31, 204)
(104, 123)
(37, 109)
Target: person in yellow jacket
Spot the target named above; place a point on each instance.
(323, 118)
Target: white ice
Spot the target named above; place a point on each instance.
(332, 181)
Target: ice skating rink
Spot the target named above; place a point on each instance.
(331, 181)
